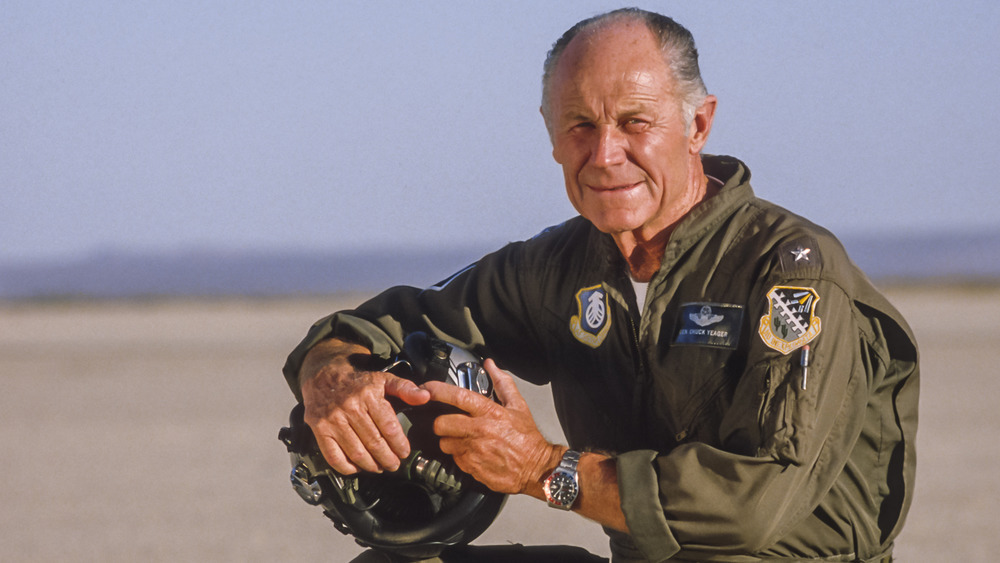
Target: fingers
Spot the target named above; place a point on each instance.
(388, 432)
(463, 399)
(504, 387)
(406, 390)
(353, 442)
(453, 426)
(335, 455)
(378, 436)
(355, 427)
(474, 403)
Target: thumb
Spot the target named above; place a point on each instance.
(503, 385)
(406, 390)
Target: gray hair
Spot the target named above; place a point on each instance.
(676, 43)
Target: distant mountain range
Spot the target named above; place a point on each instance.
(931, 258)
(111, 275)
(952, 258)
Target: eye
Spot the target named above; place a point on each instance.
(635, 125)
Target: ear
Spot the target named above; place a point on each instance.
(548, 129)
(701, 125)
(545, 121)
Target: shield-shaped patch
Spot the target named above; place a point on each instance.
(791, 320)
(591, 323)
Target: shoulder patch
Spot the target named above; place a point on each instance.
(791, 320)
(591, 323)
(715, 325)
(799, 253)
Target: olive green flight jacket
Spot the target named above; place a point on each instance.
(730, 446)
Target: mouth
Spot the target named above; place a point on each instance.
(610, 189)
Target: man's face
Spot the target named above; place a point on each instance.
(618, 131)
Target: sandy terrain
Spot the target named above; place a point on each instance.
(147, 432)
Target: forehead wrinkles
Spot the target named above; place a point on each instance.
(627, 92)
(641, 79)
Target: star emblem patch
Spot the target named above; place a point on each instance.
(801, 253)
(798, 254)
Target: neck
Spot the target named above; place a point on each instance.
(642, 256)
(643, 251)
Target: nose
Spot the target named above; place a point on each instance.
(609, 147)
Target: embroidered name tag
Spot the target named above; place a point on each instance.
(710, 324)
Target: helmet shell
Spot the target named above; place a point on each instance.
(428, 504)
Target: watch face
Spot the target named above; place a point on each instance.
(562, 489)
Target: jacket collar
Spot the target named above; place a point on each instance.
(604, 257)
(710, 214)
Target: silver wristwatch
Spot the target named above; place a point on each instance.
(562, 486)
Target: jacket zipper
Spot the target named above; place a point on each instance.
(642, 378)
(762, 414)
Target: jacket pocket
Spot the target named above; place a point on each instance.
(787, 411)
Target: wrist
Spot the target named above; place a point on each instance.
(562, 486)
(547, 463)
(556, 453)
(331, 355)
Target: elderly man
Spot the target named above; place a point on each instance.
(732, 388)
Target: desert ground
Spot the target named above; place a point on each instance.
(147, 431)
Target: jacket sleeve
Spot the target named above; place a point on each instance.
(484, 303)
(702, 498)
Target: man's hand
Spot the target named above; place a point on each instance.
(501, 447)
(498, 444)
(355, 426)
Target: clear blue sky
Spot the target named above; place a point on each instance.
(163, 126)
